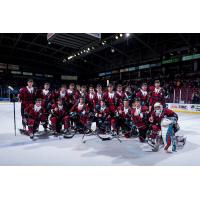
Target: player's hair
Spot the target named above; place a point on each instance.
(71, 84)
(63, 85)
(30, 80)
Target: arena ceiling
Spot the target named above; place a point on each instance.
(80, 53)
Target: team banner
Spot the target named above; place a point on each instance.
(191, 108)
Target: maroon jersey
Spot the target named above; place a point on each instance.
(82, 109)
(98, 97)
(103, 111)
(27, 96)
(91, 100)
(59, 94)
(58, 111)
(120, 97)
(34, 112)
(143, 96)
(83, 94)
(110, 100)
(45, 95)
(165, 113)
(157, 95)
(73, 96)
(138, 116)
(124, 113)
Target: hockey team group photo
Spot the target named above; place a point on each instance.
(99, 99)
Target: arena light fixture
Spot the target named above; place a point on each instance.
(88, 49)
(121, 35)
(69, 58)
(113, 50)
(127, 34)
(116, 37)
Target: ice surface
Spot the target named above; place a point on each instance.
(20, 150)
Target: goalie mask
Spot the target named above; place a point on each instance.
(158, 108)
(165, 122)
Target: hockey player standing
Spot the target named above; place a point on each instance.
(46, 95)
(143, 95)
(26, 96)
(157, 94)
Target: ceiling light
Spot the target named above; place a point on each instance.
(78, 54)
(93, 48)
(121, 35)
(88, 49)
(127, 34)
(112, 50)
(70, 57)
(64, 60)
(116, 37)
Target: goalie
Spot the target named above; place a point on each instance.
(164, 126)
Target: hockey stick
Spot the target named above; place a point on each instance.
(69, 136)
(14, 117)
(13, 100)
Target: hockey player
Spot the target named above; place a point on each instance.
(99, 94)
(139, 116)
(123, 116)
(119, 95)
(83, 92)
(79, 113)
(26, 96)
(128, 94)
(35, 115)
(157, 94)
(62, 94)
(91, 99)
(46, 95)
(110, 99)
(156, 119)
(143, 95)
(103, 117)
(72, 95)
(59, 116)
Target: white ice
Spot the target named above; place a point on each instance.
(20, 150)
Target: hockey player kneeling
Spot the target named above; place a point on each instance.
(79, 113)
(59, 116)
(139, 115)
(123, 115)
(102, 118)
(164, 128)
(34, 114)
